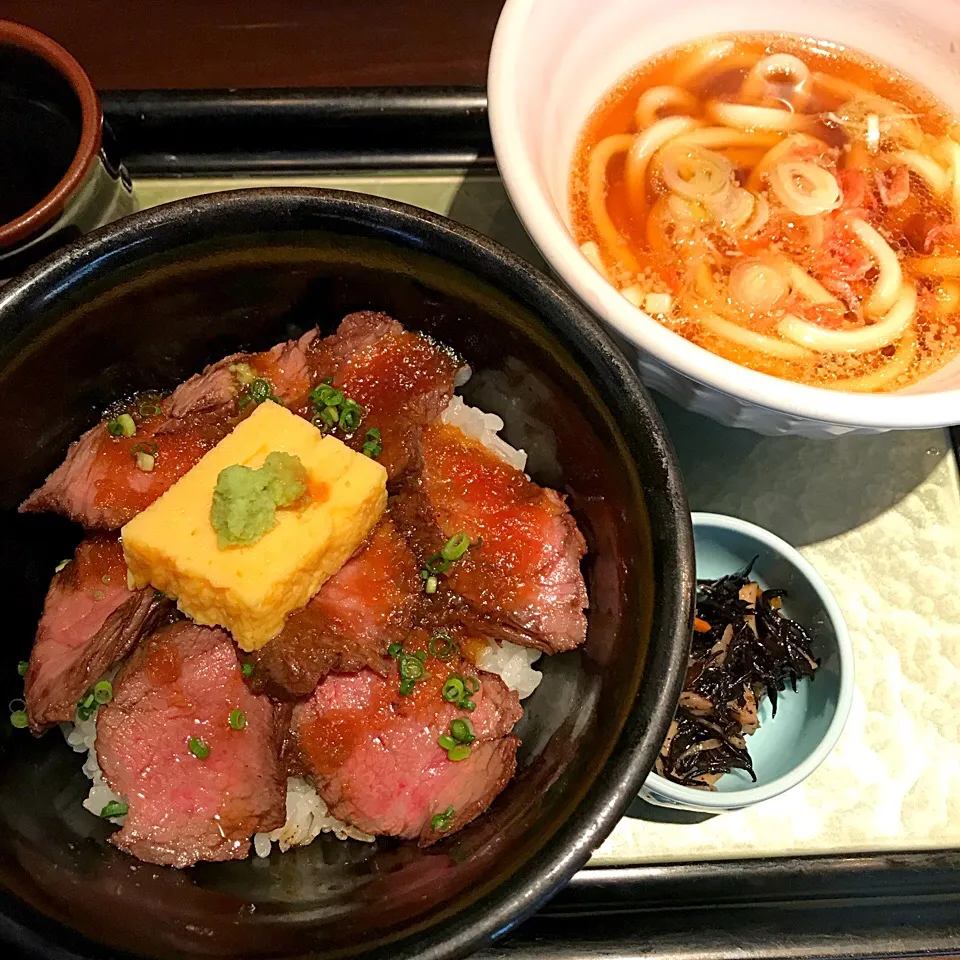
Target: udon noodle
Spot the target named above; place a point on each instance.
(785, 204)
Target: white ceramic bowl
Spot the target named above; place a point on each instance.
(788, 747)
(553, 60)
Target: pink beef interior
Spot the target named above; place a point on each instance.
(182, 683)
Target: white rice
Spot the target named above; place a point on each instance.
(483, 427)
(307, 814)
(307, 818)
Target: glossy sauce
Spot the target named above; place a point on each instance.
(123, 484)
(507, 518)
(691, 257)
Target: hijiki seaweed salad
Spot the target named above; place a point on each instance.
(309, 594)
(744, 649)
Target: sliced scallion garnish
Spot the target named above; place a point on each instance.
(115, 808)
(373, 446)
(442, 821)
(462, 731)
(198, 748)
(22, 667)
(237, 719)
(411, 667)
(455, 547)
(19, 719)
(122, 426)
(103, 692)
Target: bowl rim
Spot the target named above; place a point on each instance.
(544, 223)
(749, 795)
(646, 718)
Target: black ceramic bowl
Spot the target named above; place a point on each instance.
(148, 301)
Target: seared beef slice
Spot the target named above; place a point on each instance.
(180, 687)
(100, 485)
(374, 758)
(349, 624)
(521, 577)
(90, 622)
(402, 380)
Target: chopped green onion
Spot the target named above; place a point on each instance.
(103, 691)
(446, 741)
(350, 418)
(467, 705)
(431, 585)
(421, 655)
(455, 547)
(462, 731)
(411, 668)
(260, 390)
(247, 669)
(330, 396)
(145, 455)
(329, 415)
(22, 667)
(84, 713)
(394, 649)
(115, 808)
(19, 719)
(442, 645)
(442, 821)
(373, 446)
(460, 752)
(437, 564)
(237, 719)
(150, 409)
(198, 748)
(471, 684)
(453, 689)
(61, 565)
(406, 687)
(123, 426)
(326, 396)
(372, 449)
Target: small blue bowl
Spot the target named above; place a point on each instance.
(789, 747)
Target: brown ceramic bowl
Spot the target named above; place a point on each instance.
(146, 302)
(58, 177)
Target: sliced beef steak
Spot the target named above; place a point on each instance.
(90, 622)
(520, 578)
(374, 758)
(179, 688)
(100, 483)
(349, 624)
(402, 380)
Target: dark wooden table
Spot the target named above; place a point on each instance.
(179, 44)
